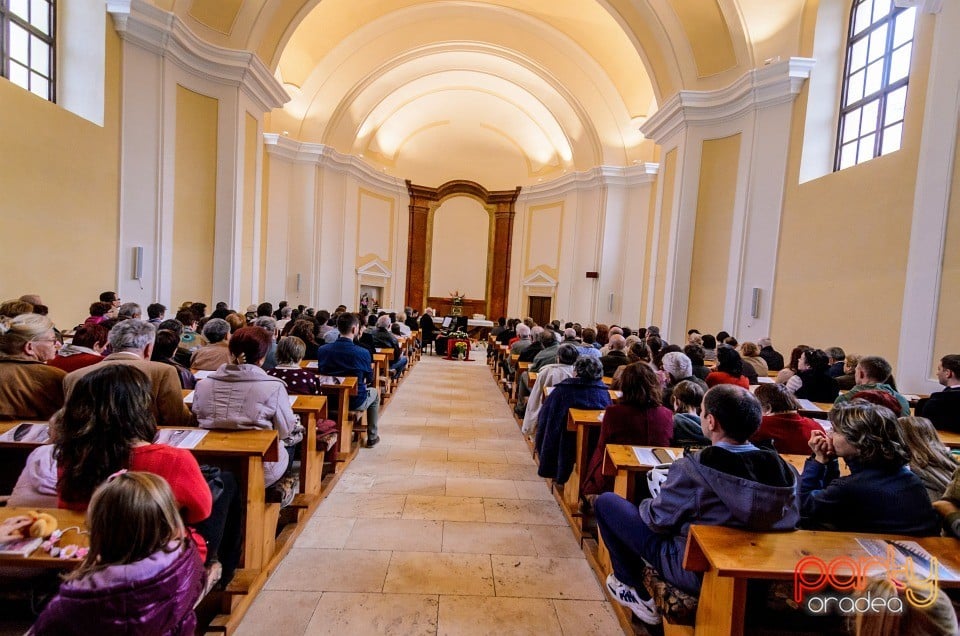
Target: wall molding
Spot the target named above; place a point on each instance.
(759, 88)
(328, 157)
(165, 35)
(592, 179)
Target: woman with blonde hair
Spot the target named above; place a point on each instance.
(29, 388)
(930, 460)
(142, 573)
(750, 353)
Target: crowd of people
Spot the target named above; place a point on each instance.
(121, 376)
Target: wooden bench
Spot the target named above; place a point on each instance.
(39, 559)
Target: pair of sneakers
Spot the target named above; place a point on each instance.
(645, 610)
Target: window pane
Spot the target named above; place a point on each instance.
(869, 122)
(896, 101)
(865, 153)
(39, 56)
(19, 74)
(39, 86)
(874, 78)
(40, 15)
(878, 43)
(851, 125)
(20, 7)
(848, 155)
(880, 9)
(19, 41)
(903, 32)
(891, 138)
(858, 55)
(900, 63)
(855, 87)
(862, 20)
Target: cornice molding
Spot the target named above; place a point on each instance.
(600, 176)
(759, 88)
(165, 35)
(325, 156)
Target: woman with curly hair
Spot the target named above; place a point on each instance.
(880, 494)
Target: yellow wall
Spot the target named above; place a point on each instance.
(195, 197)
(663, 238)
(711, 243)
(249, 204)
(59, 203)
(947, 336)
(844, 238)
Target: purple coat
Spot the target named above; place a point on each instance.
(154, 596)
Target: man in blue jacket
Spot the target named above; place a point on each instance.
(344, 358)
(731, 483)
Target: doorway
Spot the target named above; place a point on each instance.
(540, 309)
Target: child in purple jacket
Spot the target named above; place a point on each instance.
(142, 574)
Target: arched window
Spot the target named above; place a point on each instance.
(27, 51)
(875, 77)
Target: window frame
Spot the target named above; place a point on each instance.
(886, 88)
(6, 17)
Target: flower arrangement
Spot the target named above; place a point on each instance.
(457, 298)
(460, 349)
(457, 335)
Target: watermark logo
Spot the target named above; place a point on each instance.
(812, 576)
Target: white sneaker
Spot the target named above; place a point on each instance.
(646, 611)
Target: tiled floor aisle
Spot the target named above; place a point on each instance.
(443, 528)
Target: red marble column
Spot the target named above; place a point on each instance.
(417, 245)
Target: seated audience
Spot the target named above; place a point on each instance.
(685, 401)
(615, 356)
(383, 339)
(299, 381)
(164, 348)
(881, 494)
(132, 343)
(401, 321)
(637, 352)
(268, 324)
(751, 356)
(142, 573)
(95, 438)
(792, 368)
(555, 445)
(190, 340)
(948, 506)
(943, 408)
(241, 395)
(216, 352)
(677, 368)
(873, 373)
(29, 388)
(344, 358)
(98, 313)
(729, 369)
(709, 348)
(782, 424)
(930, 460)
(638, 418)
(549, 341)
(14, 308)
(812, 380)
(731, 483)
(156, 313)
(548, 376)
(588, 346)
(303, 329)
(837, 357)
(771, 356)
(847, 381)
(86, 348)
(129, 311)
(695, 353)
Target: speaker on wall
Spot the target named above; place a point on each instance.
(755, 303)
(137, 263)
(298, 282)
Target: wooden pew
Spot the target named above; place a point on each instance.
(586, 424)
(729, 558)
(39, 559)
(380, 371)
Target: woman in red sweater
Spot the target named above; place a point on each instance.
(781, 423)
(106, 426)
(729, 369)
(637, 418)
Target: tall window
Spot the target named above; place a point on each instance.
(874, 81)
(27, 53)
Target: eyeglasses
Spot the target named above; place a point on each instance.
(44, 340)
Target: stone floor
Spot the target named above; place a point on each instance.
(443, 528)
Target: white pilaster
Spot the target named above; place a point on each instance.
(758, 106)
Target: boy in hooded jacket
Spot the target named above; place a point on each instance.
(731, 483)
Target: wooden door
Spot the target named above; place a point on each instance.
(540, 309)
